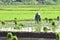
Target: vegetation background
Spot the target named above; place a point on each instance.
(26, 9)
(23, 2)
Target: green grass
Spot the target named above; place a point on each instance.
(21, 15)
(22, 12)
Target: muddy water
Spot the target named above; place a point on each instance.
(29, 26)
(30, 39)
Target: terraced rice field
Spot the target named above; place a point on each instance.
(30, 26)
(27, 12)
(23, 12)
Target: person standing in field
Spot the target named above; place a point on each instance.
(37, 17)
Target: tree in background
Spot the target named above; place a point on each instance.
(55, 0)
(7, 1)
(18, 0)
(49, 2)
(41, 1)
(30, 1)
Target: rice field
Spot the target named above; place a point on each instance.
(30, 26)
(23, 12)
(27, 12)
(23, 15)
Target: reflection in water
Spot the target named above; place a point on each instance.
(37, 39)
(30, 26)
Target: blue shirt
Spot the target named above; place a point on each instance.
(37, 17)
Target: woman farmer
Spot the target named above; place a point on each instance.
(37, 18)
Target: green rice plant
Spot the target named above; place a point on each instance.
(2, 22)
(58, 36)
(54, 26)
(14, 38)
(15, 21)
(18, 27)
(37, 29)
(57, 18)
(45, 29)
(46, 19)
(21, 24)
(9, 35)
(53, 23)
(50, 20)
(24, 15)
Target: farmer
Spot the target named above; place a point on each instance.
(37, 18)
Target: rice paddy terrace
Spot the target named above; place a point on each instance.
(30, 26)
(23, 12)
(27, 29)
(30, 30)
